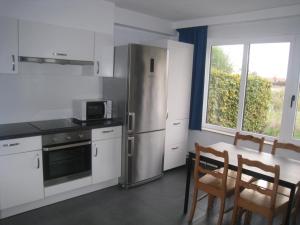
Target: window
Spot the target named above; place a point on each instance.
(224, 85)
(265, 88)
(246, 84)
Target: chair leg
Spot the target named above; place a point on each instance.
(194, 203)
(221, 213)
(210, 202)
(248, 218)
(235, 214)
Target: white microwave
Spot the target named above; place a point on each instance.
(92, 109)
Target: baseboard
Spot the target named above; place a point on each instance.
(56, 198)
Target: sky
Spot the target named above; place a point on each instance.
(266, 59)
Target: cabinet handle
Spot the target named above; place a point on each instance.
(13, 62)
(174, 148)
(107, 131)
(131, 122)
(96, 153)
(176, 123)
(130, 146)
(98, 67)
(10, 145)
(60, 54)
(38, 162)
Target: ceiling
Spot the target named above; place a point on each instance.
(176, 10)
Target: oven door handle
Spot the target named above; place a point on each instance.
(66, 146)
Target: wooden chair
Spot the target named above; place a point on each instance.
(285, 146)
(254, 199)
(259, 141)
(216, 184)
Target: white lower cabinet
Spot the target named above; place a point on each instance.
(174, 156)
(106, 160)
(176, 143)
(21, 178)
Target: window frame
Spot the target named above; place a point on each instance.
(291, 88)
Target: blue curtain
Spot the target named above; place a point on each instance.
(198, 37)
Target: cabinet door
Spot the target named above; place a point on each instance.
(51, 41)
(175, 156)
(176, 131)
(106, 162)
(21, 178)
(8, 45)
(179, 79)
(104, 55)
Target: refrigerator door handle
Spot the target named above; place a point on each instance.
(131, 122)
(130, 146)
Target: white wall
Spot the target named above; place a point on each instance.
(44, 91)
(248, 30)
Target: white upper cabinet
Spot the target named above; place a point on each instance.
(179, 79)
(8, 45)
(104, 55)
(52, 41)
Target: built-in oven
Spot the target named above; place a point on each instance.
(66, 156)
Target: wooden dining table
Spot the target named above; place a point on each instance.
(289, 168)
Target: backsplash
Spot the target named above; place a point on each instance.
(44, 91)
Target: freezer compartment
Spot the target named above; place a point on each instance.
(145, 153)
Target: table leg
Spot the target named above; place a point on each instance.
(188, 181)
(290, 205)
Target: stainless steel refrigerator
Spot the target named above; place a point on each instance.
(138, 92)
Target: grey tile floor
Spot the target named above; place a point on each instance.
(157, 203)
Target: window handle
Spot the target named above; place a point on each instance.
(293, 98)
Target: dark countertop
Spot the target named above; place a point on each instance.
(34, 128)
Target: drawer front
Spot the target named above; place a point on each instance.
(19, 145)
(106, 133)
(175, 156)
(176, 131)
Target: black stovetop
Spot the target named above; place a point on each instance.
(46, 125)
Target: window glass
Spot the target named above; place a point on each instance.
(267, 72)
(224, 85)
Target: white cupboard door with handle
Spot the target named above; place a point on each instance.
(179, 79)
(175, 155)
(21, 177)
(106, 160)
(104, 55)
(8, 45)
(52, 41)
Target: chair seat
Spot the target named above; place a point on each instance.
(217, 183)
(233, 174)
(263, 200)
(268, 185)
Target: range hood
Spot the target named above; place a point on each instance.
(54, 61)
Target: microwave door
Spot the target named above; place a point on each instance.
(95, 110)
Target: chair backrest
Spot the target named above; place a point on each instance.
(259, 141)
(200, 170)
(287, 146)
(240, 184)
